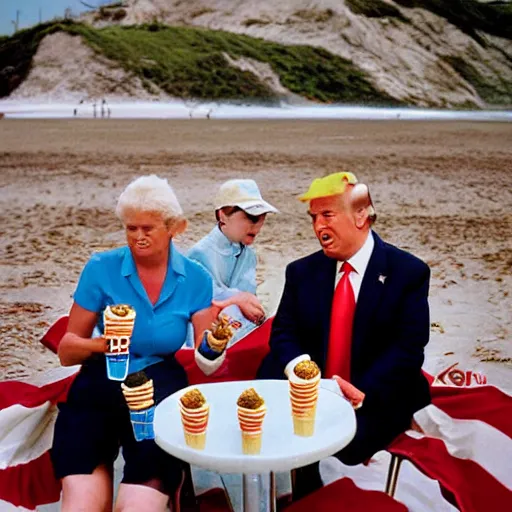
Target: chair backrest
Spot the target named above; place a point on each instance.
(55, 333)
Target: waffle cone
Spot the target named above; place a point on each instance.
(140, 406)
(251, 443)
(304, 425)
(139, 397)
(304, 399)
(214, 343)
(196, 441)
(251, 424)
(195, 423)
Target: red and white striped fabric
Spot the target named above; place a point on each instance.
(466, 445)
(460, 462)
(27, 415)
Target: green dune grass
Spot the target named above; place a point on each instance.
(190, 63)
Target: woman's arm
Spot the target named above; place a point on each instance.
(77, 345)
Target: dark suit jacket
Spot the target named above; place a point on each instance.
(391, 326)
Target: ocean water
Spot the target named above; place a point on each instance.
(27, 109)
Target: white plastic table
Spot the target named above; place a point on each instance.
(281, 449)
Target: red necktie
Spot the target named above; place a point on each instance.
(340, 334)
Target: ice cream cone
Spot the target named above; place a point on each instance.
(303, 398)
(194, 418)
(251, 410)
(215, 344)
(118, 321)
(220, 334)
(251, 423)
(141, 404)
(195, 423)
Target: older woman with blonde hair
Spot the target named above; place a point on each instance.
(166, 289)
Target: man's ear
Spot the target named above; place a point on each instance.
(361, 217)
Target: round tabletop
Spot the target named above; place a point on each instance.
(281, 449)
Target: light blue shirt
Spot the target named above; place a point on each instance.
(233, 269)
(111, 278)
(231, 265)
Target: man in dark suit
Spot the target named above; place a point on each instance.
(388, 325)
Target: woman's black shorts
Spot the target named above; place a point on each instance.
(94, 423)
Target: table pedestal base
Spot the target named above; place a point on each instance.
(259, 492)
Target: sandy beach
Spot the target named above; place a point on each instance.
(442, 190)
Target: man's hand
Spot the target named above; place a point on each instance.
(248, 303)
(352, 394)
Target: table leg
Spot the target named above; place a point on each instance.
(272, 492)
(255, 498)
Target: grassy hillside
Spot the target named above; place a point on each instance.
(189, 63)
(16, 54)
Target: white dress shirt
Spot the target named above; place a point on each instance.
(359, 262)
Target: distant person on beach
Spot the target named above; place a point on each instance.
(105, 109)
(166, 290)
(359, 309)
(75, 110)
(226, 253)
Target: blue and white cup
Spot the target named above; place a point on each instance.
(117, 366)
(118, 358)
(142, 423)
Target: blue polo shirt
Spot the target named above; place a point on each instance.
(111, 278)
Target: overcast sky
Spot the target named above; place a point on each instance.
(29, 11)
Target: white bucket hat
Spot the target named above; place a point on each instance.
(246, 195)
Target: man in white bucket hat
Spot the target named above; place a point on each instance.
(225, 252)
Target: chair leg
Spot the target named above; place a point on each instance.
(305, 480)
(392, 479)
(184, 499)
